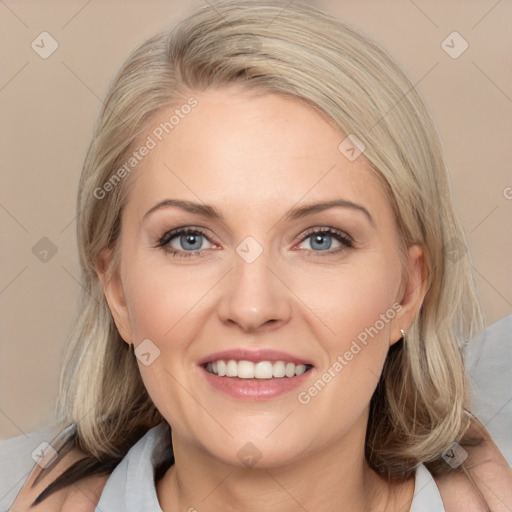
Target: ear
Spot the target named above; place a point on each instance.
(114, 294)
(412, 292)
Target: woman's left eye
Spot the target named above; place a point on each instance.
(321, 238)
(191, 241)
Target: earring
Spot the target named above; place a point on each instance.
(403, 334)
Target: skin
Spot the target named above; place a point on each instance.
(254, 157)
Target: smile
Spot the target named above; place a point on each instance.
(255, 380)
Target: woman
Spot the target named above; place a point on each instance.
(269, 318)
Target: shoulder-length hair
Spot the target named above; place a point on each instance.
(297, 50)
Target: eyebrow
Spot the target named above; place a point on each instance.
(208, 211)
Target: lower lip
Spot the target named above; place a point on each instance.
(255, 389)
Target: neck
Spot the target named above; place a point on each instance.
(336, 478)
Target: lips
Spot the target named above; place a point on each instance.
(255, 374)
(255, 388)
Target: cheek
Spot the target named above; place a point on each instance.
(151, 312)
(161, 310)
(362, 300)
(359, 310)
(354, 297)
(158, 297)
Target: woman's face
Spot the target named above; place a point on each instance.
(270, 278)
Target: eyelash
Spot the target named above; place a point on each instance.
(169, 235)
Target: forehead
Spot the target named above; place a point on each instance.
(246, 151)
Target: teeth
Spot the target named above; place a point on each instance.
(232, 369)
(259, 370)
(289, 370)
(262, 370)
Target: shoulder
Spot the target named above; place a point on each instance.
(484, 480)
(450, 492)
(82, 496)
(17, 458)
(459, 494)
(22, 477)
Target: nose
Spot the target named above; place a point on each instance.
(254, 297)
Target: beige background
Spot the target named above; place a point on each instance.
(49, 107)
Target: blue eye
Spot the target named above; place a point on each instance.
(190, 241)
(321, 240)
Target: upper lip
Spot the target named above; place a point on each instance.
(262, 354)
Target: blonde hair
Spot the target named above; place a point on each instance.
(303, 52)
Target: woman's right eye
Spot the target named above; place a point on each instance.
(181, 241)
